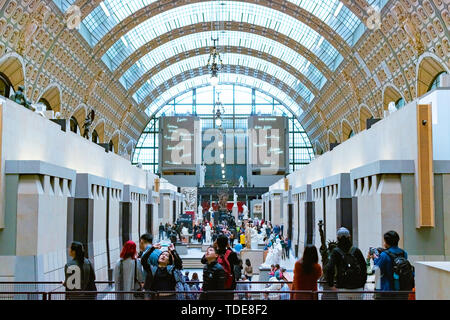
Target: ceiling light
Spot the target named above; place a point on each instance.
(221, 156)
(220, 144)
(223, 165)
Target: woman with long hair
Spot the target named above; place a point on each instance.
(163, 271)
(306, 273)
(79, 274)
(128, 275)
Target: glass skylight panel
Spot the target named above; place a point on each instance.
(229, 38)
(228, 59)
(201, 81)
(335, 14)
(201, 12)
(63, 5)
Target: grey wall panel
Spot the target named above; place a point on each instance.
(423, 241)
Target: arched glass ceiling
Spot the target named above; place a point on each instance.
(244, 61)
(235, 11)
(111, 12)
(227, 38)
(227, 78)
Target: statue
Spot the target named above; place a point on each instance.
(324, 249)
(19, 98)
(199, 213)
(274, 254)
(207, 234)
(245, 212)
(241, 182)
(235, 199)
(223, 200)
(248, 237)
(184, 231)
(87, 124)
(202, 174)
(211, 214)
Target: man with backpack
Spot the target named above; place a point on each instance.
(348, 266)
(228, 259)
(397, 274)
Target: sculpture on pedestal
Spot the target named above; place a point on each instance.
(19, 98)
(207, 234)
(274, 254)
(241, 182)
(211, 214)
(235, 199)
(199, 213)
(87, 124)
(202, 174)
(245, 211)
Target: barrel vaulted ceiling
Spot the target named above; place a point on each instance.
(321, 59)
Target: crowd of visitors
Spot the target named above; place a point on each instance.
(158, 268)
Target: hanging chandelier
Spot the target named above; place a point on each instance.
(215, 64)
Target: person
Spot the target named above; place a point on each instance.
(213, 276)
(272, 270)
(80, 267)
(160, 267)
(306, 273)
(145, 243)
(228, 259)
(186, 276)
(347, 265)
(232, 239)
(161, 231)
(248, 271)
(288, 246)
(128, 274)
(243, 285)
(387, 260)
(238, 247)
(238, 270)
(283, 247)
(242, 238)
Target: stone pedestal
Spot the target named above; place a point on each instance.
(264, 273)
(235, 212)
(182, 249)
(256, 258)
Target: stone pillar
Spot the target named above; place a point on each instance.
(39, 220)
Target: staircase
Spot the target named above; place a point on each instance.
(192, 263)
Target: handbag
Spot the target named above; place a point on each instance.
(137, 286)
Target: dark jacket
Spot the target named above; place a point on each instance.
(213, 279)
(150, 269)
(87, 279)
(335, 265)
(233, 259)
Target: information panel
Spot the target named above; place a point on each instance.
(180, 147)
(268, 144)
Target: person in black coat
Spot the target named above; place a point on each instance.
(213, 276)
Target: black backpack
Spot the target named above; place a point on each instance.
(402, 271)
(350, 273)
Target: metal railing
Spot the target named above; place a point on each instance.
(254, 290)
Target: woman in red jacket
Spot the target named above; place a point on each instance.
(306, 273)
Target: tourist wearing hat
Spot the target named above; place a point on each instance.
(346, 269)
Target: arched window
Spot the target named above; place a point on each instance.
(5, 86)
(95, 136)
(436, 83)
(47, 104)
(400, 103)
(74, 125)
